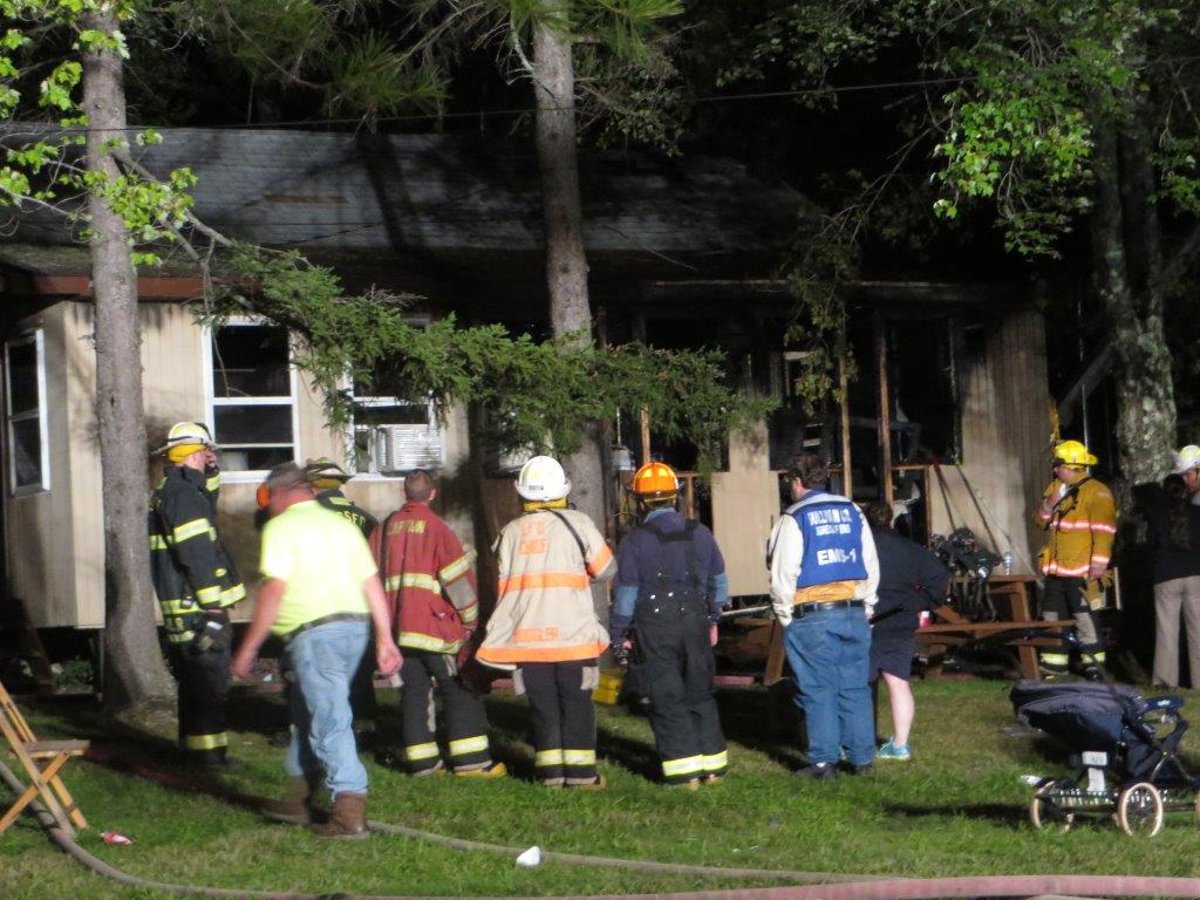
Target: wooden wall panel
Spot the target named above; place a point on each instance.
(745, 505)
(1004, 432)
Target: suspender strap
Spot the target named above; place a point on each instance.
(574, 534)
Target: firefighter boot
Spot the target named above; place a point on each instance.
(296, 806)
(348, 820)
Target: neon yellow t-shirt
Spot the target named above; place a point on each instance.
(323, 558)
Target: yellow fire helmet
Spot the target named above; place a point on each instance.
(1073, 454)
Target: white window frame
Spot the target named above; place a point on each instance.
(213, 402)
(367, 401)
(37, 338)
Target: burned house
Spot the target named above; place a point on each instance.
(947, 416)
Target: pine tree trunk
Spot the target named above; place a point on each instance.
(1145, 393)
(566, 261)
(134, 665)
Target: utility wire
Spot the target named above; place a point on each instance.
(523, 111)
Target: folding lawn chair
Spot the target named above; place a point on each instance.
(28, 750)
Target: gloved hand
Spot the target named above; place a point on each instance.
(620, 652)
(214, 634)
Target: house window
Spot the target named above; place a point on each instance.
(253, 395)
(25, 398)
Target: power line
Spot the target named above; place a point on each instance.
(524, 111)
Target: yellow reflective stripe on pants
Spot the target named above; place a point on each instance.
(579, 757)
(463, 746)
(414, 752)
(716, 762)
(548, 758)
(689, 765)
(158, 542)
(206, 741)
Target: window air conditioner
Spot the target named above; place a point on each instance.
(402, 448)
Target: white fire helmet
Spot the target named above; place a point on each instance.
(542, 479)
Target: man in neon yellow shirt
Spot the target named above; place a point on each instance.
(320, 595)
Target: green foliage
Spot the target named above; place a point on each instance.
(329, 47)
(48, 169)
(541, 395)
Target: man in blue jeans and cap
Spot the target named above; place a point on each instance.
(824, 574)
(320, 594)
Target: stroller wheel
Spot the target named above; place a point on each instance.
(1140, 810)
(1044, 808)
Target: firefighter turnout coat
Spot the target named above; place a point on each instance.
(190, 568)
(429, 579)
(1081, 526)
(196, 582)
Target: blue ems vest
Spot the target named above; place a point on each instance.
(832, 531)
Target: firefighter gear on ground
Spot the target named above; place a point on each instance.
(545, 625)
(429, 581)
(671, 583)
(1080, 519)
(196, 583)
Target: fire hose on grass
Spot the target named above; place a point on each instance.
(813, 885)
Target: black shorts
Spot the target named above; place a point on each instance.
(892, 651)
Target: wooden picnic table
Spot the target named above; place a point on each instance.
(951, 629)
(1009, 593)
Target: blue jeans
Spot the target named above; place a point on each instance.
(829, 652)
(320, 665)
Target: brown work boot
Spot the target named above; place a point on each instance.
(296, 806)
(348, 820)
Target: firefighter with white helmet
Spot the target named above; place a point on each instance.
(545, 626)
(1079, 514)
(671, 586)
(196, 584)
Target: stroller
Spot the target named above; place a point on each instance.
(1125, 746)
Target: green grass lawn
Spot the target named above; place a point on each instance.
(958, 808)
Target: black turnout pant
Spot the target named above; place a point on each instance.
(1064, 598)
(675, 668)
(564, 720)
(203, 677)
(465, 720)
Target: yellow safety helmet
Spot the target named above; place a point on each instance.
(184, 439)
(1073, 454)
(656, 481)
(326, 474)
